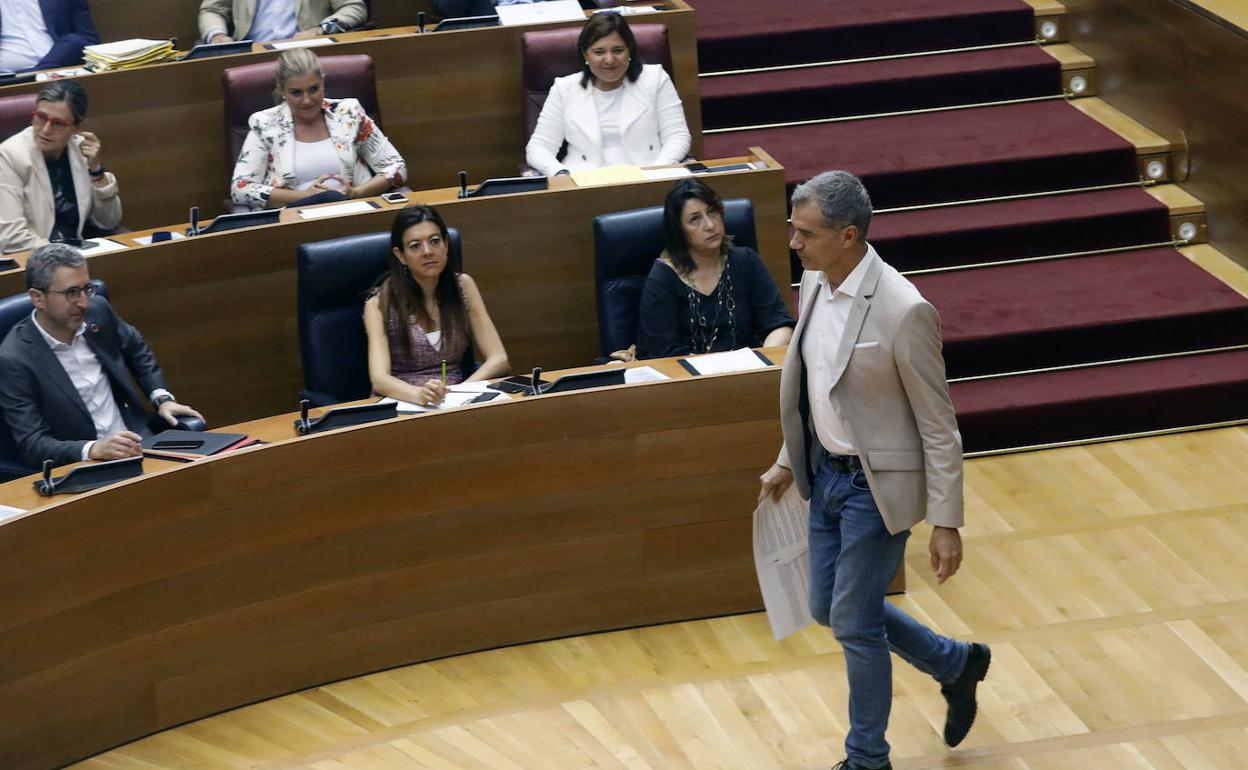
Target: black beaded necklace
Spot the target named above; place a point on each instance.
(704, 335)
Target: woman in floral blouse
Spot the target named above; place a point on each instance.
(309, 145)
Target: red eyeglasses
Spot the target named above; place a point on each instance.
(40, 118)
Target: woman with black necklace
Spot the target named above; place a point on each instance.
(703, 294)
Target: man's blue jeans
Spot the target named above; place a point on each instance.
(852, 560)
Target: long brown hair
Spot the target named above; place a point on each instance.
(401, 296)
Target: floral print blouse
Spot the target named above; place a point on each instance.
(268, 157)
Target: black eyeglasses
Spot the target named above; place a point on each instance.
(75, 293)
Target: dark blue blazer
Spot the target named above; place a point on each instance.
(45, 415)
(70, 25)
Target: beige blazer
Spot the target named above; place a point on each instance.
(27, 205)
(234, 16)
(893, 397)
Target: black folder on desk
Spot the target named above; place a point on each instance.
(189, 444)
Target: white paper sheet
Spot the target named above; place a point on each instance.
(741, 360)
(540, 13)
(9, 512)
(630, 10)
(72, 72)
(338, 209)
(103, 246)
(458, 396)
(311, 42)
(782, 561)
(174, 236)
(637, 374)
(673, 172)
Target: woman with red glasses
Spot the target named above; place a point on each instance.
(53, 185)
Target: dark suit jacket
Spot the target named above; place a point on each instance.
(70, 25)
(45, 415)
(455, 8)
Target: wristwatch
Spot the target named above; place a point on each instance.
(163, 398)
(97, 173)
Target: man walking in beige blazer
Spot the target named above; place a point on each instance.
(871, 439)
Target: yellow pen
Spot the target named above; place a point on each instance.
(444, 372)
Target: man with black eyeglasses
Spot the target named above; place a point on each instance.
(65, 372)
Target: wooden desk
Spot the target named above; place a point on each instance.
(449, 101)
(220, 310)
(200, 587)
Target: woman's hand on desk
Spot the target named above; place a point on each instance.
(432, 393)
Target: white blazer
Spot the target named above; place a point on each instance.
(27, 203)
(652, 124)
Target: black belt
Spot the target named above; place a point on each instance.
(844, 463)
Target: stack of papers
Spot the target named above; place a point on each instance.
(742, 360)
(540, 13)
(127, 54)
(459, 395)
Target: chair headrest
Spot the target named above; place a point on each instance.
(249, 89)
(626, 243)
(15, 113)
(339, 272)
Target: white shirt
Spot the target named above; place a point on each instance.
(90, 380)
(821, 337)
(24, 38)
(274, 20)
(314, 159)
(608, 104)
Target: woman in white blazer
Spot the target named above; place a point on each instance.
(52, 180)
(309, 145)
(614, 111)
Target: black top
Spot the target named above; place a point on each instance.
(743, 309)
(66, 226)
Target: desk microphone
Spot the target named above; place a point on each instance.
(304, 424)
(420, 22)
(463, 184)
(537, 379)
(194, 220)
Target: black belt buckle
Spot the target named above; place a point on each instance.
(843, 463)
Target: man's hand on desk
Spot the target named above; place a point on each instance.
(221, 37)
(170, 411)
(775, 482)
(117, 446)
(560, 182)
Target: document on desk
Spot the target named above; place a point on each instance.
(593, 177)
(282, 45)
(9, 512)
(666, 172)
(459, 395)
(102, 246)
(540, 13)
(337, 209)
(636, 374)
(741, 360)
(782, 561)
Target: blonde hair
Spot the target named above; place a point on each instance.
(293, 63)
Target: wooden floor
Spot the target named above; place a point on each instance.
(1111, 581)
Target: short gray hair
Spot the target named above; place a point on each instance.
(842, 200)
(69, 91)
(47, 258)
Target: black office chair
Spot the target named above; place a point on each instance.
(12, 310)
(626, 243)
(334, 279)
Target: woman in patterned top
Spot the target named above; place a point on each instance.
(309, 145)
(425, 314)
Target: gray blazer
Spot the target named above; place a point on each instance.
(893, 397)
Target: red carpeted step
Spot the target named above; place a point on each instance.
(866, 88)
(733, 34)
(1039, 314)
(1101, 401)
(951, 154)
(1030, 227)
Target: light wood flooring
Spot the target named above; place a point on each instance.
(1111, 581)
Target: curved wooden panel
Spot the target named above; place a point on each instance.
(202, 587)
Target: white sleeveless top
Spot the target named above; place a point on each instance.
(312, 159)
